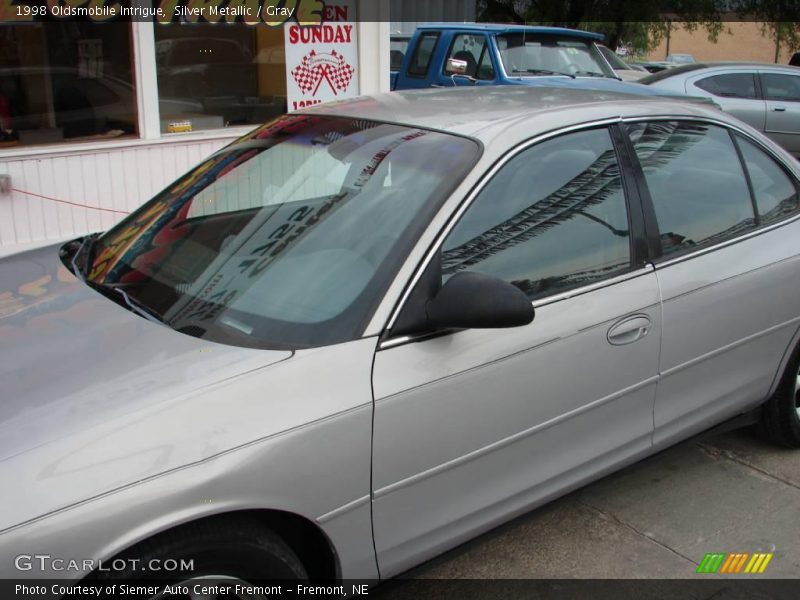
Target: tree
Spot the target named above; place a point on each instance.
(780, 18)
(641, 24)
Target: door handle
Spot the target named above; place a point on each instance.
(629, 330)
(778, 109)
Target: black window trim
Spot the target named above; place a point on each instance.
(387, 340)
(436, 35)
(647, 203)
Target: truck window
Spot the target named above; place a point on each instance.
(423, 52)
(472, 49)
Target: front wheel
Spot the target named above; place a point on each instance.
(199, 558)
(780, 420)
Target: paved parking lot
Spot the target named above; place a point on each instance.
(728, 493)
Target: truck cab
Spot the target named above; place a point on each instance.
(464, 54)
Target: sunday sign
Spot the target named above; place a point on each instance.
(322, 60)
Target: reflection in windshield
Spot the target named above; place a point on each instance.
(288, 237)
(527, 54)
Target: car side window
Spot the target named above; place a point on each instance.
(730, 85)
(423, 52)
(775, 193)
(553, 218)
(696, 183)
(470, 48)
(781, 87)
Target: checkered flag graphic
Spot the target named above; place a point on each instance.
(304, 74)
(341, 74)
(316, 68)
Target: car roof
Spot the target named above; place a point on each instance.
(511, 28)
(487, 112)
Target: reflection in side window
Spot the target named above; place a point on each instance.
(776, 195)
(696, 182)
(553, 218)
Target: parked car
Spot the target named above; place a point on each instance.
(765, 96)
(348, 341)
(467, 54)
(681, 59)
(623, 70)
(655, 66)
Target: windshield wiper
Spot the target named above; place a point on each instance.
(589, 74)
(137, 307)
(543, 72)
(87, 244)
(134, 305)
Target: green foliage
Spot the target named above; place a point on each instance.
(642, 24)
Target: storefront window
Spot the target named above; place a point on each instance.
(213, 75)
(65, 82)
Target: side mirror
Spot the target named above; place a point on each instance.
(456, 67)
(477, 301)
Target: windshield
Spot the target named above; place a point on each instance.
(287, 238)
(530, 54)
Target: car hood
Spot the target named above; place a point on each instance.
(74, 362)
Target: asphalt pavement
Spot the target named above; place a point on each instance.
(656, 519)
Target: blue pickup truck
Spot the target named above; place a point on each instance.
(445, 55)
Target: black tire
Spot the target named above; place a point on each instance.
(780, 419)
(234, 547)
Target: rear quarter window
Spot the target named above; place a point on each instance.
(423, 53)
(730, 85)
(774, 191)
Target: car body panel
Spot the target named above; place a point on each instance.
(449, 448)
(134, 402)
(726, 326)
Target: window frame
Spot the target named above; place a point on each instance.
(651, 224)
(436, 35)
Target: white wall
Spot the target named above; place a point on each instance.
(114, 178)
(121, 175)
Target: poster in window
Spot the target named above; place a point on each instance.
(322, 60)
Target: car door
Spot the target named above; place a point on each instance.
(730, 281)
(736, 92)
(474, 50)
(782, 93)
(474, 426)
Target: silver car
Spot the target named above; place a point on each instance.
(765, 96)
(316, 356)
